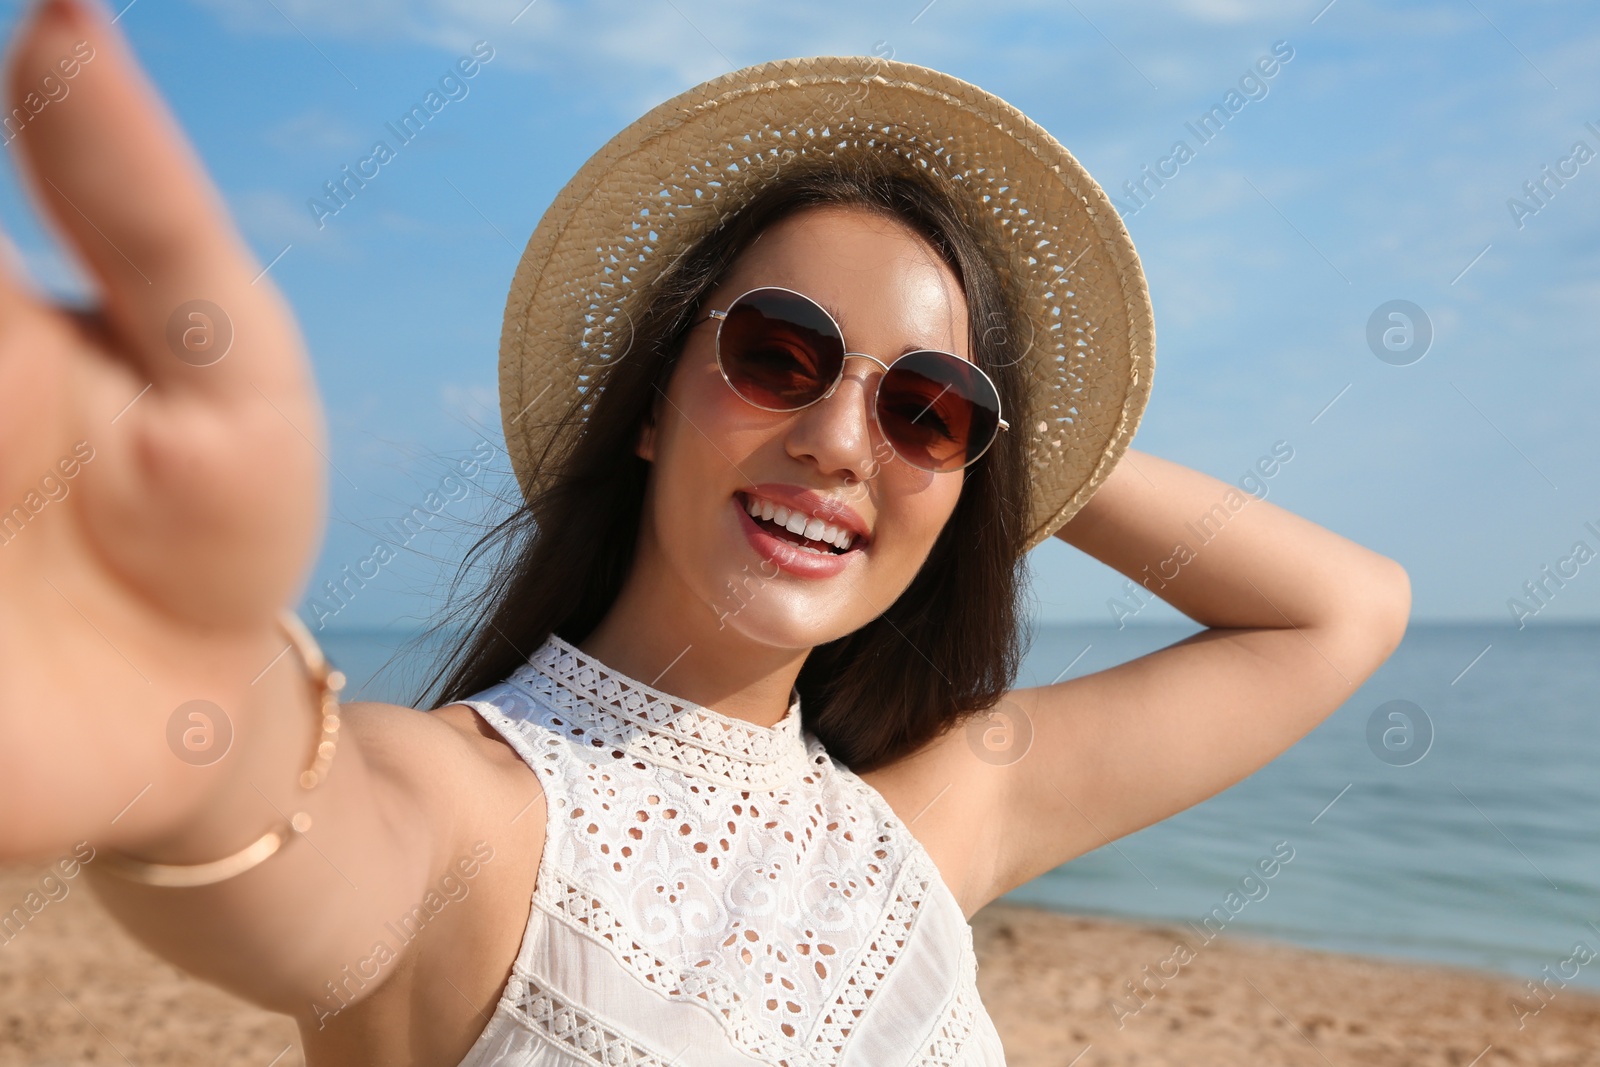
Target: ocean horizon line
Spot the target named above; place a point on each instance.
(1440, 624)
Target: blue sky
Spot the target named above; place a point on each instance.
(1377, 163)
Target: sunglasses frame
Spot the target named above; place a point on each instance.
(722, 316)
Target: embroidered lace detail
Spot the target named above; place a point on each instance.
(879, 955)
(587, 912)
(575, 1031)
(692, 858)
(949, 1041)
(659, 727)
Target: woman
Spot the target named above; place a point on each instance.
(770, 857)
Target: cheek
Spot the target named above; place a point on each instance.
(705, 426)
(915, 507)
(704, 437)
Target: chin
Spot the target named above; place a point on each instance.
(778, 626)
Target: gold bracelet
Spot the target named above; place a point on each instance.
(326, 682)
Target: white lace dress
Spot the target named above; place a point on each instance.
(714, 893)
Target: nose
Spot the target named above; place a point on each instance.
(838, 432)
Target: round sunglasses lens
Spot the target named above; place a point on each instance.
(779, 350)
(939, 411)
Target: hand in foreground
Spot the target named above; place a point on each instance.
(161, 476)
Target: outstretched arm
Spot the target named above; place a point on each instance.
(161, 476)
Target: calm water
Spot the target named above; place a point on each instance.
(1484, 853)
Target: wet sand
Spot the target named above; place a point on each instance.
(75, 989)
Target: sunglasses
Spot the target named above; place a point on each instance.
(781, 351)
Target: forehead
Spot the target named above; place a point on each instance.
(885, 285)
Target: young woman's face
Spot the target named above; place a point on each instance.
(712, 453)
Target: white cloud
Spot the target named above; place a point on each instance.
(476, 407)
(1229, 11)
(314, 129)
(274, 219)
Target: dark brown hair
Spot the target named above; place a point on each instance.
(949, 646)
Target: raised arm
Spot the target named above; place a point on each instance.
(162, 481)
(1297, 618)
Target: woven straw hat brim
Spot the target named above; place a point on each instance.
(668, 178)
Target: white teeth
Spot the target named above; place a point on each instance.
(796, 522)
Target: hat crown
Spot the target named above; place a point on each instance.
(691, 162)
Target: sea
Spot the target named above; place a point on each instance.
(1447, 812)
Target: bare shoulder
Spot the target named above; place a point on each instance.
(478, 735)
(450, 750)
(489, 753)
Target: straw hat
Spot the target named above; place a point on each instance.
(668, 178)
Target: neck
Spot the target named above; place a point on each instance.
(662, 634)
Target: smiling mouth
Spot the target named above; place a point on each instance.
(783, 533)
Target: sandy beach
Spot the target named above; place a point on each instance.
(75, 989)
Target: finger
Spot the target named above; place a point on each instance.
(28, 442)
(116, 175)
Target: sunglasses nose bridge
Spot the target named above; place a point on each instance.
(864, 355)
(839, 378)
(872, 391)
